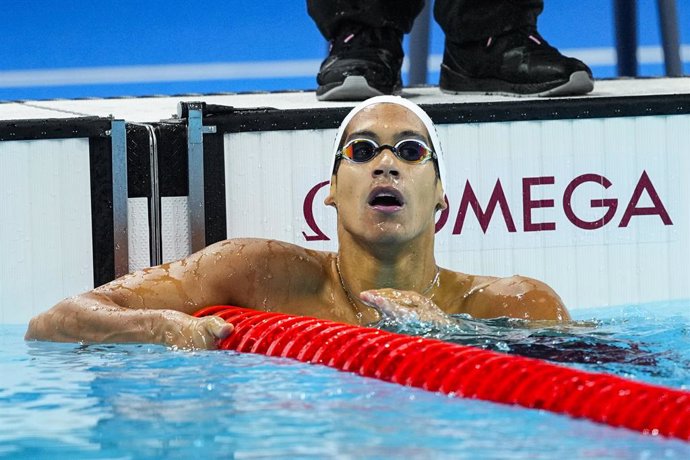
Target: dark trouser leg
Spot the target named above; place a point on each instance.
(472, 20)
(329, 15)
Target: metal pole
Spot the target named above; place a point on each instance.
(668, 22)
(156, 240)
(193, 112)
(419, 47)
(195, 152)
(625, 17)
(118, 139)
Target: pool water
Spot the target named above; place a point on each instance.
(144, 401)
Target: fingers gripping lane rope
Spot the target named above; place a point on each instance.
(460, 370)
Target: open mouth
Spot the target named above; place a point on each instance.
(386, 200)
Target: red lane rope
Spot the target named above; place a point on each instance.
(460, 370)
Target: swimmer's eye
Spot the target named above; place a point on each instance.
(408, 150)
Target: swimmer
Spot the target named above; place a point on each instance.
(386, 185)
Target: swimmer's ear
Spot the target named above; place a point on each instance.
(330, 199)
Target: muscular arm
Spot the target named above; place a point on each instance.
(94, 317)
(153, 305)
(515, 297)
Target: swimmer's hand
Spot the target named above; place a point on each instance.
(405, 306)
(187, 332)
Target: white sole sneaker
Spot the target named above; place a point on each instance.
(353, 88)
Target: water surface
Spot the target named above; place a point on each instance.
(145, 401)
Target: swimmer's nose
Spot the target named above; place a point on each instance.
(385, 164)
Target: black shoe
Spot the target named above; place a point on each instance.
(519, 62)
(363, 62)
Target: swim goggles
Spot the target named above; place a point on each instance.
(409, 150)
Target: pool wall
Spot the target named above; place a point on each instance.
(587, 194)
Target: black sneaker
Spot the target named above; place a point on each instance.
(362, 62)
(519, 62)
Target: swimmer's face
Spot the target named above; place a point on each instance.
(386, 198)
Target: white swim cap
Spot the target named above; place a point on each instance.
(421, 114)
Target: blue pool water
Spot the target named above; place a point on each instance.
(144, 401)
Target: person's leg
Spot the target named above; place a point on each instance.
(492, 46)
(366, 53)
(472, 20)
(330, 15)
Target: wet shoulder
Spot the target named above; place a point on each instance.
(514, 296)
(457, 287)
(279, 259)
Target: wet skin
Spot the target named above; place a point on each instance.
(385, 256)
